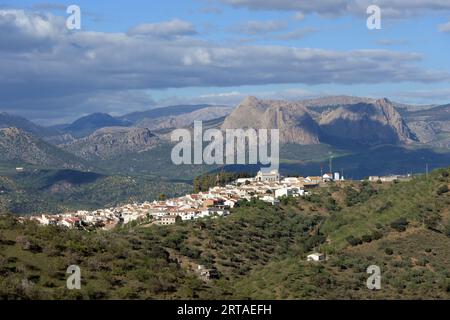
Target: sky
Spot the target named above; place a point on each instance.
(137, 55)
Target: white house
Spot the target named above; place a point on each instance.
(337, 176)
(283, 192)
(244, 180)
(273, 175)
(290, 180)
(316, 257)
(230, 203)
(43, 220)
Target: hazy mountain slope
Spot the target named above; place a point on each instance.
(432, 125)
(184, 120)
(20, 147)
(107, 143)
(162, 112)
(365, 123)
(292, 119)
(12, 121)
(88, 124)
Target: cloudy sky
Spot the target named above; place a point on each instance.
(136, 55)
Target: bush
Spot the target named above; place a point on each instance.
(376, 235)
(400, 224)
(447, 230)
(389, 251)
(442, 189)
(353, 240)
(367, 238)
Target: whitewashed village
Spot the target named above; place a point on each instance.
(217, 201)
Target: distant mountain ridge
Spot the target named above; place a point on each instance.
(185, 119)
(12, 121)
(340, 121)
(21, 147)
(162, 112)
(107, 143)
(90, 123)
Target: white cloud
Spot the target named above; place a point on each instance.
(259, 27)
(440, 95)
(165, 29)
(299, 16)
(296, 34)
(444, 27)
(232, 98)
(392, 42)
(44, 68)
(390, 8)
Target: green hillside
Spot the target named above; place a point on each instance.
(56, 191)
(259, 252)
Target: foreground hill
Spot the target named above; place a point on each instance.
(258, 252)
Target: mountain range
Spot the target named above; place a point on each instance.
(342, 122)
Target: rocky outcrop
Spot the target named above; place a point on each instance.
(365, 123)
(292, 119)
(108, 143)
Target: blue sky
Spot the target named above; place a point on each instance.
(134, 55)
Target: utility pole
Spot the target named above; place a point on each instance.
(331, 164)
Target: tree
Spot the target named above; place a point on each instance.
(162, 197)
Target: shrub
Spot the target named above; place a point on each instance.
(442, 189)
(400, 224)
(376, 235)
(367, 238)
(447, 230)
(389, 251)
(353, 240)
